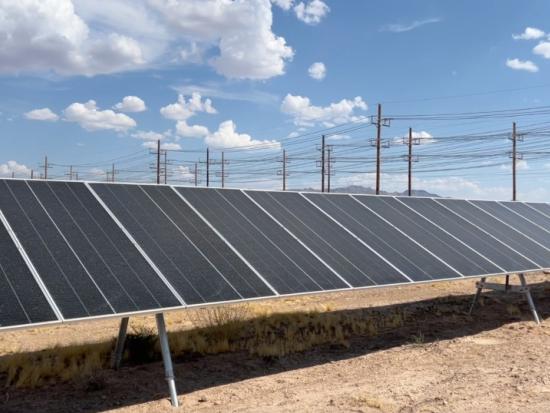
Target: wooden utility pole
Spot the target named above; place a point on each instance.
(328, 167)
(378, 146)
(32, 173)
(284, 169)
(165, 167)
(514, 157)
(46, 167)
(196, 175)
(323, 163)
(113, 173)
(70, 173)
(207, 167)
(158, 162)
(223, 171)
(410, 160)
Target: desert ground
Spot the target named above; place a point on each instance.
(438, 359)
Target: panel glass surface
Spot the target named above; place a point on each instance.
(68, 282)
(499, 254)
(540, 207)
(21, 300)
(518, 242)
(516, 220)
(187, 268)
(381, 237)
(233, 268)
(122, 274)
(449, 249)
(529, 213)
(277, 256)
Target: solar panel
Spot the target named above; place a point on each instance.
(282, 260)
(22, 301)
(454, 252)
(537, 255)
(411, 258)
(358, 264)
(529, 213)
(461, 229)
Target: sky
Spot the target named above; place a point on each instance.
(89, 86)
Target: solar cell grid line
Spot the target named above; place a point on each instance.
(67, 281)
(532, 215)
(504, 234)
(540, 207)
(385, 238)
(355, 262)
(126, 279)
(500, 254)
(23, 302)
(297, 239)
(459, 256)
(182, 263)
(282, 261)
(235, 271)
(516, 221)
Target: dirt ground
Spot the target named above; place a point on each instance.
(440, 361)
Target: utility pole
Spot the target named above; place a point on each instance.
(158, 162)
(165, 167)
(46, 167)
(223, 171)
(32, 173)
(284, 169)
(196, 175)
(378, 144)
(410, 160)
(207, 167)
(323, 163)
(113, 173)
(328, 167)
(70, 173)
(514, 157)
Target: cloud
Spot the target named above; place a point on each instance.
(520, 165)
(317, 71)
(169, 146)
(526, 65)
(306, 114)
(12, 167)
(283, 4)
(312, 12)
(542, 49)
(338, 137)
(227, 137)
(150, 135)
(190, 131)
(419, 138)
(227, 92)
(240, 30)
(131, 104)
(183, 173)
(530, 33)
(400, 28)
(89, 117)
(48, 35)
(44, 114)
(184, 109)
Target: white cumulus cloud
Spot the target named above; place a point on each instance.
(525, 65)
(44, 114)
(12, 167)
(190, 131)
(227, 137)
(183, 109)
(311, 12)
(317, 71)
(283, 4)
(131, 104)
(91, 118)
(150, 135)
(530, 33)
(542, 49)
(169, 146)
(306, 114)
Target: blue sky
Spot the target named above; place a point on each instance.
(248, 64)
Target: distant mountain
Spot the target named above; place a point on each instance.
(359, 189)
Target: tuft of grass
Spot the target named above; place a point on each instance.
(216, 330)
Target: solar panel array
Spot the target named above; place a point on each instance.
(74, 250)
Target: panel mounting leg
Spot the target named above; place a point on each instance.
(523, 289)
(119, 348)
(167, 359)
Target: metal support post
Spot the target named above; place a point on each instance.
(527, 293)
(119, 349)
(479, 286)
(167, 359)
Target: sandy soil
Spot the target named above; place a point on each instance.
(442, 360)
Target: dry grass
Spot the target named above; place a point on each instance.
(249, 328)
